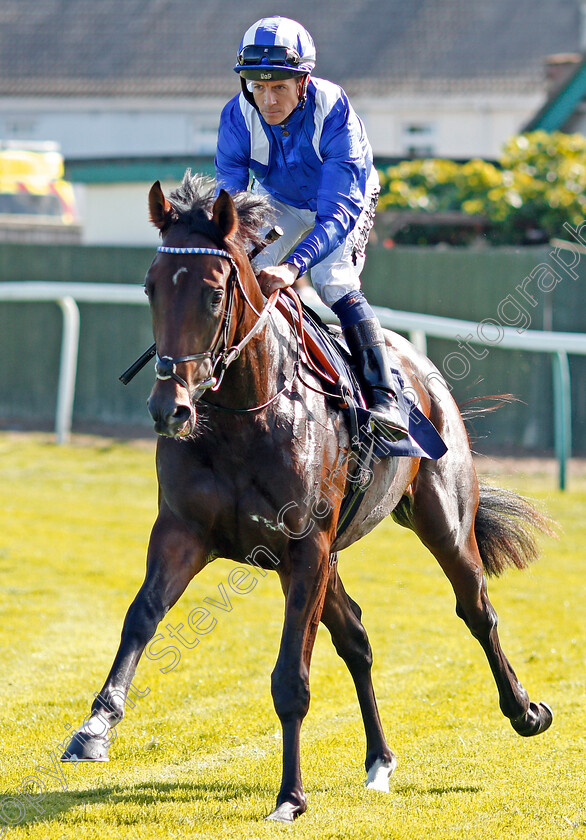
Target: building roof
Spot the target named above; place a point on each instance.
(159, 48)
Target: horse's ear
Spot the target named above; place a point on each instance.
(225, 215)
(161, 211)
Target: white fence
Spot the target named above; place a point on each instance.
(418, 327)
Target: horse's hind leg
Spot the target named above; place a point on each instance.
(174, 557)
(341, 615)
(444, 504)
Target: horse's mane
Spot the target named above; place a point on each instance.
(194, 201)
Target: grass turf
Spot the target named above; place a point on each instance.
(198, 754)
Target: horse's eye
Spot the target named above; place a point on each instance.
(217, 298)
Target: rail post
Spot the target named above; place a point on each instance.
(67, 368)
(562, 413)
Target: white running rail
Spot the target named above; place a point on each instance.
(418, 327)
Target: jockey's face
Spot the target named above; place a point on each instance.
(277, 100)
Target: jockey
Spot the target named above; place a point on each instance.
(308, 151)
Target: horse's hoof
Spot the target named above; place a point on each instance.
(378, 775)
(286, 813)
(83, 747)
(536, 720)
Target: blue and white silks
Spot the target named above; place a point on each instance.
(319, 160)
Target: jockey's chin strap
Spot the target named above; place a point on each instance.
(220, 354)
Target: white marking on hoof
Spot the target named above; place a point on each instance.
(90, 742)
(96, 727)
(378, 775)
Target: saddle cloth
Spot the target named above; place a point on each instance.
(329, 357)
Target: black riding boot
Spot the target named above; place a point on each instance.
(367, 345)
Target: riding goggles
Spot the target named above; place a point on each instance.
(255, 54)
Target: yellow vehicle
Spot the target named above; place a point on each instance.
(32, 187)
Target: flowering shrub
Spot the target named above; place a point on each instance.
(538, 184)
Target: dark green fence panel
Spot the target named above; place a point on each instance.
(454, 282)
(30, 336)
(111, 337)
(502, 285)
(74, 263)
(472, 285)
(567, 304)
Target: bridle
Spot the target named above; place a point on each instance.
(220, 354)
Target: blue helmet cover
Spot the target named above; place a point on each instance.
(280, 32)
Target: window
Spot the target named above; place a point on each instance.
(419, 140)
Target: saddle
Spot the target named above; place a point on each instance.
(326, 353)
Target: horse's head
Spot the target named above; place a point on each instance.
(194, 286)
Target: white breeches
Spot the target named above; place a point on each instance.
(337, 274)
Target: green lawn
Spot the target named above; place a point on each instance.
(198, 754)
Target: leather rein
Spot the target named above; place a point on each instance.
(220, 354)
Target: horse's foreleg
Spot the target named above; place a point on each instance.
(304, 584)
(174, 557)
(444, 509)
(341, 615)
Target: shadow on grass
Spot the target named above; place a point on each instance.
(438, 791)
(56, 803)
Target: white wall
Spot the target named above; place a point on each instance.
(90, 128)
(463, 126)
(117, 214)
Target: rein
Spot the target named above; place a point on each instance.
(220, 355)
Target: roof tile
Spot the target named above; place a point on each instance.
(186, 48)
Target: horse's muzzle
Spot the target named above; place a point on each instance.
(172, 412)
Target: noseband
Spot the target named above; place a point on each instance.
(220, 355)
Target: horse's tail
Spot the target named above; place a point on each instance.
(505, 528)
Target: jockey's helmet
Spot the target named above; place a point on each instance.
(275, 48)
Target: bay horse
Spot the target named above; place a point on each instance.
(253, 462)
